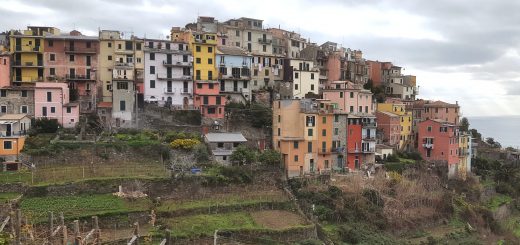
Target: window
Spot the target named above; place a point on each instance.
(279, 131)
(8, 145)
(210, 86)
(309, 132)
(429, 128)
(51, 43)
(69, 109)
(219, 100)
(210, 61)
(324, 119)
(336, 131)
(52, 57)
(312, 86)
(152, 69)
(360, 108)
(336, 118)
(309, 146)
(109, 45)
(220, 144)
(210, 75)
(3, 109)
(341, 94)
(152, 83)
(24, 93)
(44, 111)
(152, 56)
(205, 100)
(255, 72)
(49, 96)
(326, 164)
(296, 74)
(351, 108)
(122, 105)
(295, 144)
(237, 33)
(168, 46)
(184, 58)
(312, 75)
(122, 85)
(110, 57)
(351, 94)
(211, 110)
(181, 46)
(53, 109)
(197, 48)
(295, 158)
(210, 49)
(24, 109)
(323, 132)
(295, 86)
(199, 85)
(71, 58)
(264, 48)
(197, 60)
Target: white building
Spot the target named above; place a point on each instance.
(168, 73)
(305, 77)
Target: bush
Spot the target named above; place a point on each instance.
(201, 153)
(270, 157)
(184, 144)
(243, 155)
(45, 125)
(392, 158)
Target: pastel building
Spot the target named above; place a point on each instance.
(168, 73)
(302, 132)
(208, 100)
(389, 125)
(464, 167)
(27, 54)
(350, 98)
(73, 58)
(234, 66)
(5, 69)
(17, 100)
(13, 131)
(361, 141)
(396, 87)
(52, 100)
(301, 79)
(405, 123)
(439, 143)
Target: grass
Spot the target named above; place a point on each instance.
(80, 206)
(513, 224)
(6, 196)
(205, 225)
(59, 174)
(498, 201)
(406, 160)
(228, 200)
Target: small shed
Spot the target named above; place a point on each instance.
(222, 145)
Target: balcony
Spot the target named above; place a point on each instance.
(38, 64)
(369, 138)
(162, 76)
(28, 49)
(124, 51)
(19, 79)
(205, 41)
(265, 41)
(124, 65)
(76, 77)
(235, 91)
(369, 150)
(13, 134)
(75, 50)
(428, 145)
(169, 91)
(186, 91)
(327, 151)
(178, 63)
(369, 124)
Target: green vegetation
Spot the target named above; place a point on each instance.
(243, 155)
(205, 225)
(231, 200)
(496, 201)
(224, 175)
(81, 206)
(184, 144)
(6, 196)
(270, 157)
(44, 125)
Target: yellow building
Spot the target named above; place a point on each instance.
(27, 52)
(464, 155)
(405, 119)
(203, 46)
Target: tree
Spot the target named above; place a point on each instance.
(475, 134)
(270, 157)
(243, 155)
(260, 115)
(464, 124)
(491, 142)
(45, 125)
(201, 153)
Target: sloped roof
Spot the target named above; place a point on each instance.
(12, 117)
(105, 104)
(230, 50)
(225, 137)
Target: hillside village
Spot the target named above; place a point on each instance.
(234, 132)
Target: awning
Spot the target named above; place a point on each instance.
(7, 122)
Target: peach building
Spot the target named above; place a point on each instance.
(73, 58)
(389, 124)
(208, 100)
(5, 69)
(51, 100)
(439, 143)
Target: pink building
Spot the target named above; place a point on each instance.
(389, 124)
(5, 69)
(51, 100)
(350, 97)
(438, 142)
(334, 66)
(425, 109)
(73, 58)
(208, 99)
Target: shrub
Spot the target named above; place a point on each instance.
(243, 155)
(392, 158)
(45, 125)
(270, 157)
(184, 144)
(201, 153)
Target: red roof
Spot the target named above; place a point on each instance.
(105, 104)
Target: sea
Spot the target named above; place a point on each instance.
(504, 129)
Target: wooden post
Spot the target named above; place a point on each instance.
(97, 234)
(51, 227)
(77, 238)
(17, 227)
(63, 229)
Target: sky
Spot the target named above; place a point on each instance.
(465, 51)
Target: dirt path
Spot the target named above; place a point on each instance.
(277, 219)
